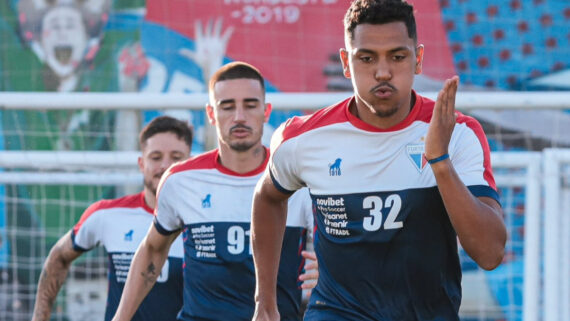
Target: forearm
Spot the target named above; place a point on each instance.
(479, 226)
(268, 225)
(52, 277)
(144, 270)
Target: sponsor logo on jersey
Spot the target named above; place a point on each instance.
(416, 153)
(334, 168)
(129, 236)
(206, 203)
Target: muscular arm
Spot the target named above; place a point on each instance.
(269, 215)
(477, 221)
(53, 275)
(145, 269)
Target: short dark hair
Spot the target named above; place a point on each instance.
(236, 70)
(380, 12)
(166, 124)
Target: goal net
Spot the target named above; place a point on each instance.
(43, 195)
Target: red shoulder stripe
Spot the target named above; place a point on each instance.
(129, 201)
(474, 125)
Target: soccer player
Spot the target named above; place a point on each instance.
(394, 177)
(209, 197)
(120, 225)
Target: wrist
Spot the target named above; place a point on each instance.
(441, 167)
(438, 159)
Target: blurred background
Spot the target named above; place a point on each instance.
(79, 78)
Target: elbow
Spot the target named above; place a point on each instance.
(492, 262)
(488, 256)
(493, 258)
(493, 254)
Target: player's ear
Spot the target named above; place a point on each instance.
(140, 162)
(210, 114)
(344, 60)
(419, 59)
(267, 112)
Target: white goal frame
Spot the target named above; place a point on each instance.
(280, 101)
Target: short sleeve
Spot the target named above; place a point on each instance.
(85, 234)
(471, 159)
(283, 162)
(167, 219)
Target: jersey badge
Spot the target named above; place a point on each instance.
(129, 236)
(416, 153)
(206, 203)
(334, 168)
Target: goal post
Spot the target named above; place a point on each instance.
(556, 234)
(499, 100)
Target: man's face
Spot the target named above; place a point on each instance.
(381, 61)
(63, 39)
(238, 110)
(158, 153)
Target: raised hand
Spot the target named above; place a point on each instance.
(211, 44)
(442, 120)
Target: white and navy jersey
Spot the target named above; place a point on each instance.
(384, 242)
(120, 225)
(213, 206)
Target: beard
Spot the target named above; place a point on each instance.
(148, 184)
(241, 146)
(386, 113)
(383, 113)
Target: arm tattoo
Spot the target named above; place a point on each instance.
(52, 277)
(150, 274)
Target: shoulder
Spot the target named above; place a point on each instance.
(172, 177)
(299, 125)
(203, 161)
(129, 201)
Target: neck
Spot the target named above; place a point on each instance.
(242, 162)
(149, 198)
(366, 113)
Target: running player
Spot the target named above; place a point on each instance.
(120, 225)
(209, 197)
(394, 178)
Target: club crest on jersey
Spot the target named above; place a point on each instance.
(129, 236)
(416, 153)
(334, 168)
(206, 203)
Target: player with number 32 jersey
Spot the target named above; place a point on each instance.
(385, 245)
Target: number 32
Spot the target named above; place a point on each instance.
(373, 222)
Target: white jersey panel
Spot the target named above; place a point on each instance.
(119, 230)
(388, 161)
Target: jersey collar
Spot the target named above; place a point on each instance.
(359, 123)
(218, 165)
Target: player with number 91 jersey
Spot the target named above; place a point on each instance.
(213, 206)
